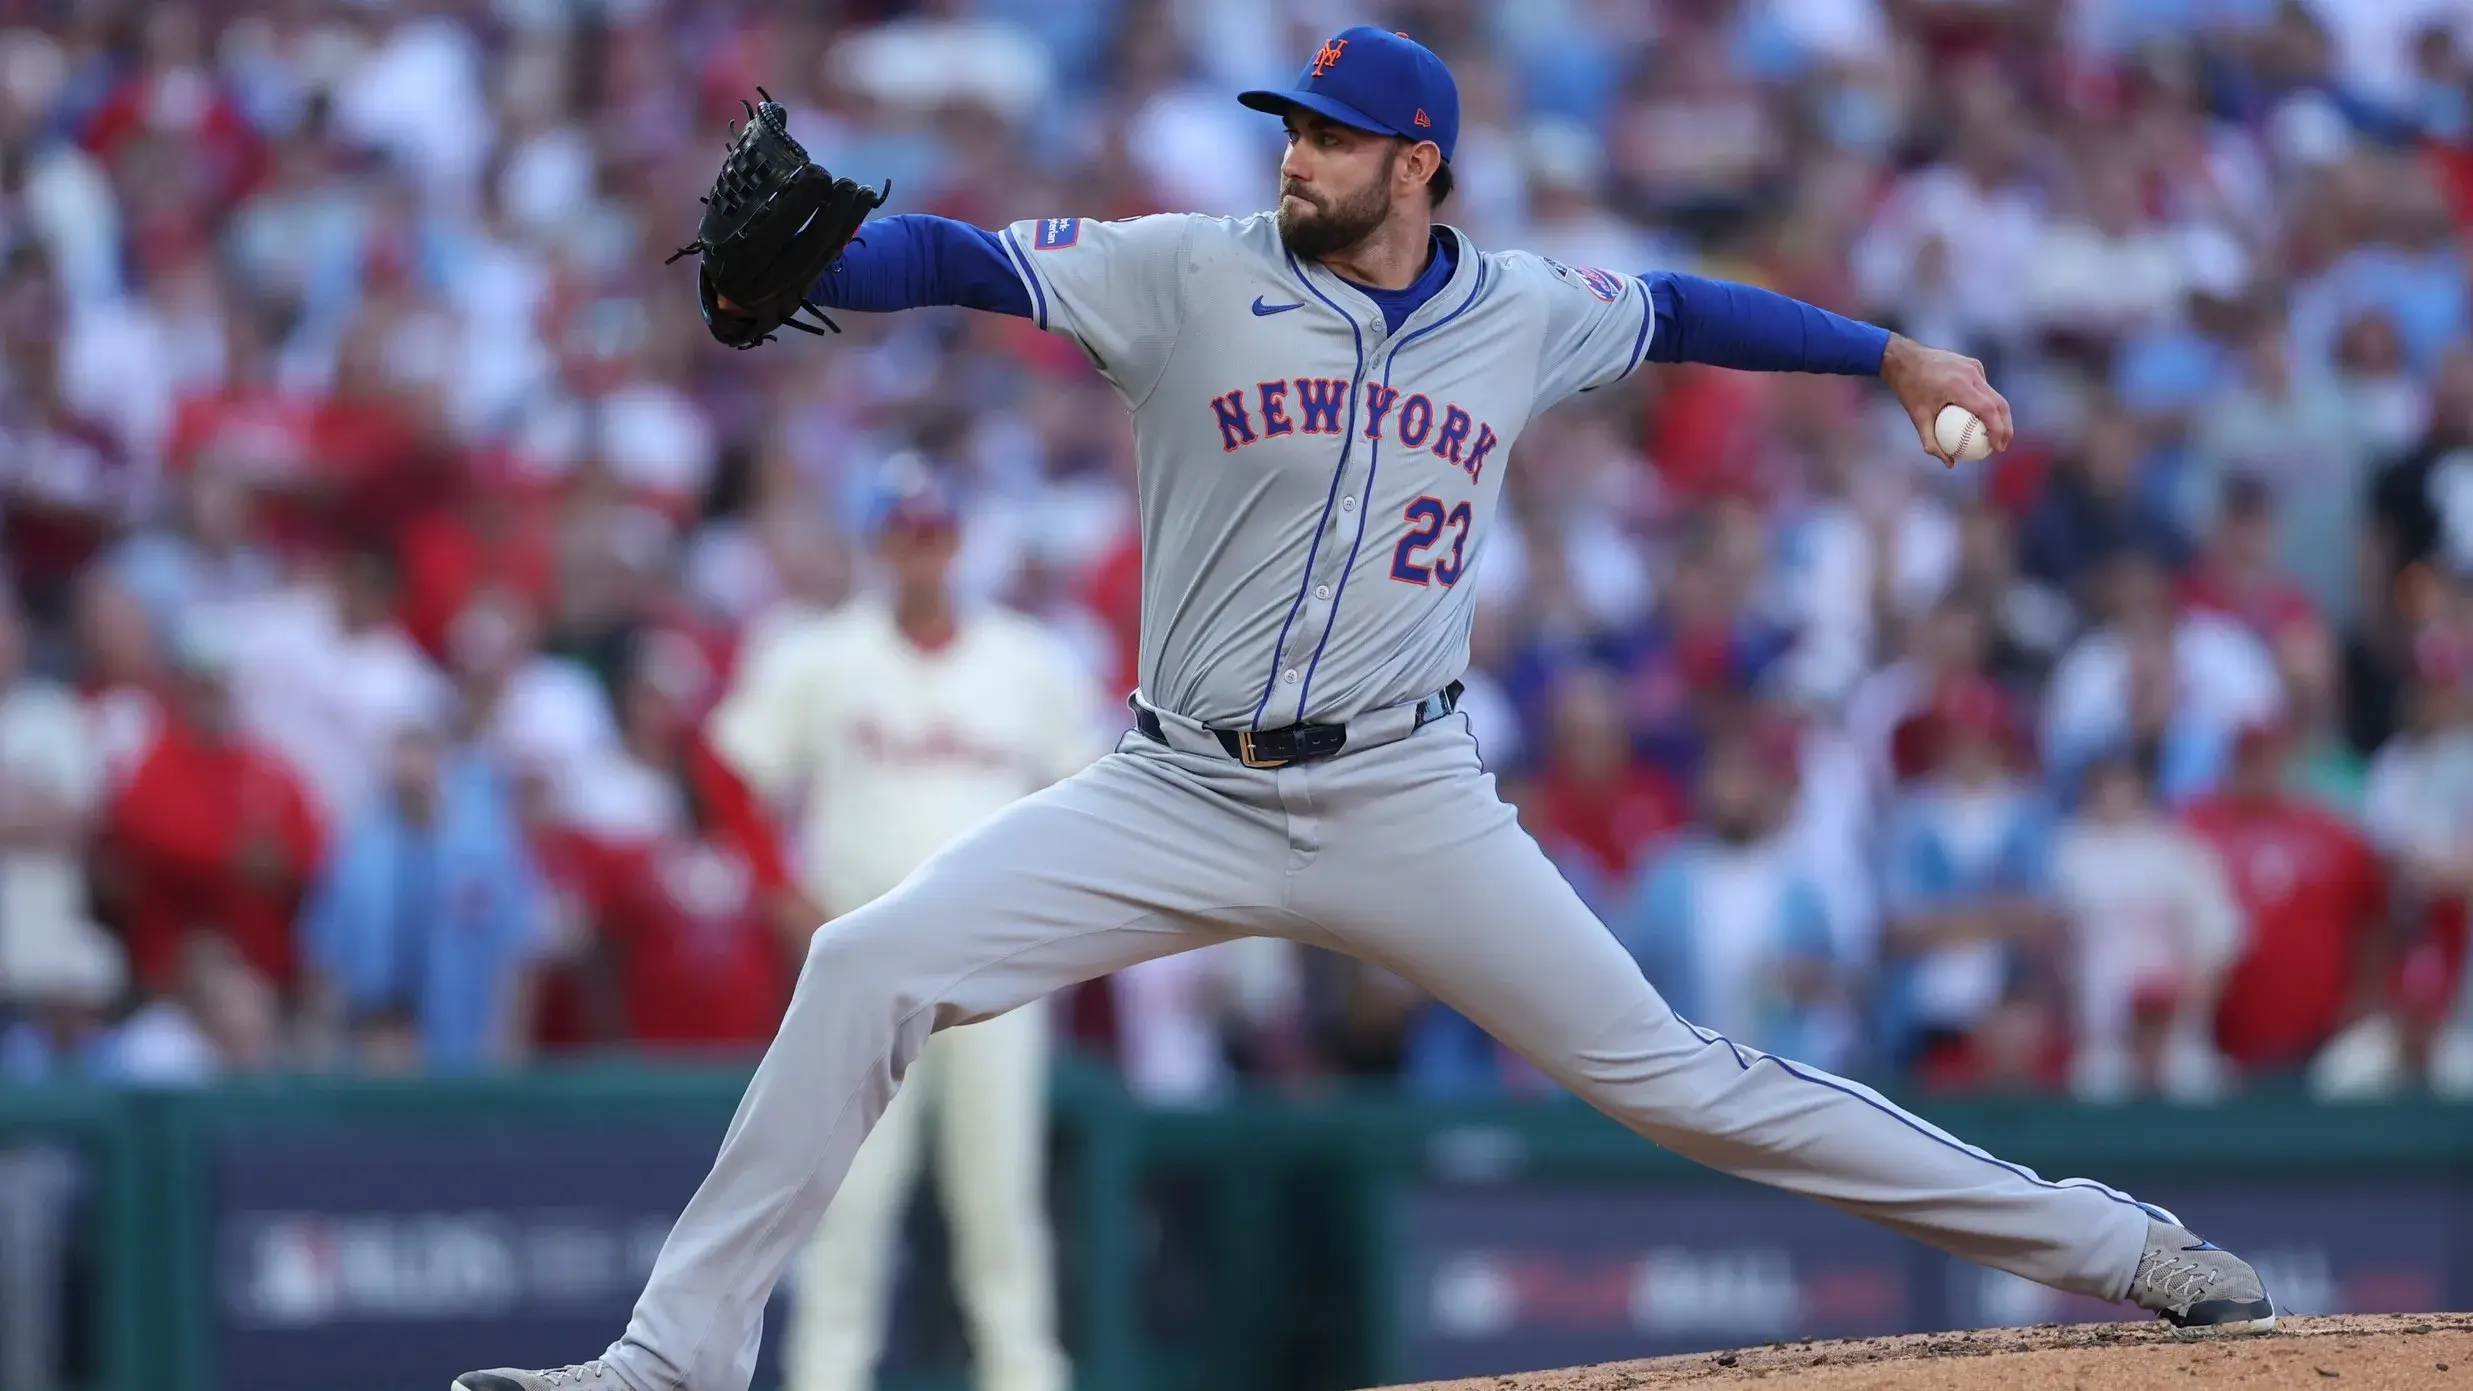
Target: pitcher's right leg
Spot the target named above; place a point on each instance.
(1451, 893)
(1145, 853)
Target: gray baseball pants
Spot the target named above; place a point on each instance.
(1401, 855)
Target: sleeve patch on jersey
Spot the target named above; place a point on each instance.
(1056, 233)
(1606, 285)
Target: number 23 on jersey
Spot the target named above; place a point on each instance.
(1417, 559)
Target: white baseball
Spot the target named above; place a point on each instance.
(1962, 434)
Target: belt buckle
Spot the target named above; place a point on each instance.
(1245, 753)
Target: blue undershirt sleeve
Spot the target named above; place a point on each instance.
(913, 260)
(1724, 324)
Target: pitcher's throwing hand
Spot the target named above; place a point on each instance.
(1926, 379)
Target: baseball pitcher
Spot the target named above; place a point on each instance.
(903, 722)
(1324, 400)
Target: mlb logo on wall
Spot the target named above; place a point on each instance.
(1057, 233)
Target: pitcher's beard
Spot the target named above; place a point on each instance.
(1334, 227)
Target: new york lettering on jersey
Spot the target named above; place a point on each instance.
(1319, 402)
(1280, 417)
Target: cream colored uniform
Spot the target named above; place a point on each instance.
(896, 751)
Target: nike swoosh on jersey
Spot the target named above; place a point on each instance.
(1261, 309)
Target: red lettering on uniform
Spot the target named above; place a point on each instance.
(1275, 409)
(1236, 428)
(1378, 399)
(1454, 433)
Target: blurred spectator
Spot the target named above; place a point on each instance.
(122, 678)
(51, 786)
(2407, 271)
(212, 833)
(1567, 216)
(209, 556)
(2307, 439)
(2031, 621)
(1694, 141)
(2418, 809)
(421, 928)
(1598, 807)
(1845, 554)
(2152, 930)
(1730, 925)
(66, 988)
(2417, 545)
(537, 711)
(2108, 266)
(2419, 513)
(65, 484)
(2317, 955)
(1704, 644)
(222, 1017)
(2396, 405)
(2092, 508)
(1967, 878)
(2236, 573)
(322, 675)
(2320, 763)
(2173, 686)
(1945, 648)
(1189, 1027)
(1954, 241)
(702, 926)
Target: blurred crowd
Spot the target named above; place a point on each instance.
(380, 523)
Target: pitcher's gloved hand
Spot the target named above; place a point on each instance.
(774, 222)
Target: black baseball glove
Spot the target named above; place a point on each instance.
(774, 222)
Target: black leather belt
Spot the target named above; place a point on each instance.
(1296, 743)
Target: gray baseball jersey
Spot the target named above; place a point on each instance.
(1315, 486)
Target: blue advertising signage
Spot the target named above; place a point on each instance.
(379, 1259)
(1514, 1276)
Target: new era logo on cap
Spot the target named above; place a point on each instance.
(1422, 118)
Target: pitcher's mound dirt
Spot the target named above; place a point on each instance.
(2407, 1352)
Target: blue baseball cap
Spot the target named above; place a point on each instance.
(1377, 80)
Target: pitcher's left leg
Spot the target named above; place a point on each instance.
(1424, 870)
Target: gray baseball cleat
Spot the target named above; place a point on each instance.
(2191, 1283)
(590, 1376)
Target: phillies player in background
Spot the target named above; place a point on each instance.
(902, 721)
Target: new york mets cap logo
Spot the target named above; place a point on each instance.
(1375, 80)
